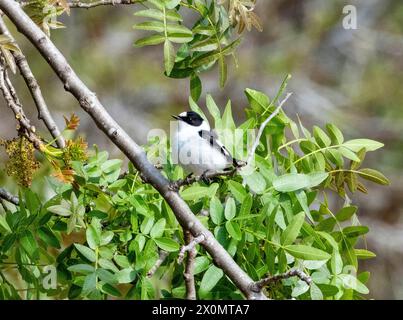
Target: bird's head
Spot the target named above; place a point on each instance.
(193, 119)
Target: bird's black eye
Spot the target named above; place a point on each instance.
(192, 118)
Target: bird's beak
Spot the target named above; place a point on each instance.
(176, 117)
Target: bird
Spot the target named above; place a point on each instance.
(197, 149)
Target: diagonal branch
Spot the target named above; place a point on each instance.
(4, 194)
(14, 104)
(90, 103)
(35, 90)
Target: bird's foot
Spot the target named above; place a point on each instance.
(175, 185)
(205, 178)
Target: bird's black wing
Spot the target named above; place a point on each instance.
(211, 138)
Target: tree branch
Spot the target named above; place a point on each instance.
(190, 246)
(35, 90)
(292, 273)
(4, 194)
(14, 104)
(162, 256)
(189, 268)
(88, 5)
(90, 103)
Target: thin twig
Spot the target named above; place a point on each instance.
(4, 194)
(34, 88)
(13, 103)
(88, 5)
(162, 256)
(190, 246)
(292, 273)
(189, 268)
(263, 126)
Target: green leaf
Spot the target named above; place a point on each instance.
(82, 268)
(227, 118)
(169, 56)
(374, 176)
(233, 230)
(347, 153)
(246, 206)
(351, 282)
(355, 231)
(306, 252)
(167, 244)
(158, 228)
(321, 137)
(195, 193)
(328, 290)
(335, 134)
(86, 252)
(111, 165)
(329, 239)
(210, 279)
(150, 40)
(213, 109)
(126, 275)
(216, 211)
(201, 264)
(110, 290)
(237, 190)
(159, 15)
(257, 100)
(107, 264)
(295, 181)
(292, 231)
(195, 87)
(150, 26)
(364, 254)
(223, 71)
(29, 244)
(93, 237)
(146, 225)
(256, 182)
(357, 144)
(60, 210)
(47, 236)
(336, 263)
(4, 224)
(316, 293)
(106, 276)
(299, 289)
(346, 213)
(90, 283)
(230, 209)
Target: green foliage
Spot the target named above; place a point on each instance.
(104, 231)
(200, 46)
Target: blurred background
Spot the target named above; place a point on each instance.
(352, 78)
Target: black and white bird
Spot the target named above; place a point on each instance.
(196, 148)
